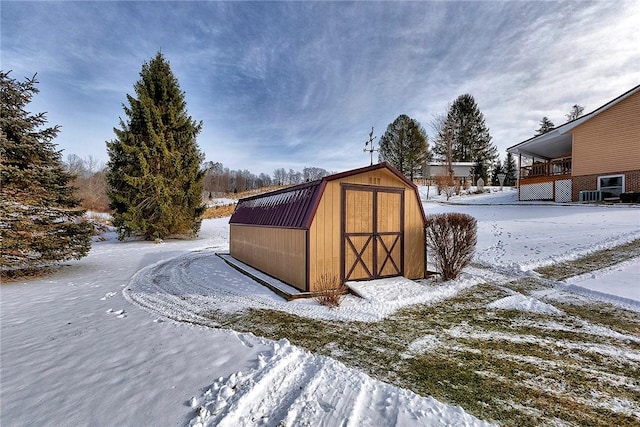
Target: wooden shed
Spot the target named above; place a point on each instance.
(361, 224)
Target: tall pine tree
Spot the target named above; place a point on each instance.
(40, 220)
(470, 138)
(154, 175)
(404, 145)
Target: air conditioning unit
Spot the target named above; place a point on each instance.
(590, 196)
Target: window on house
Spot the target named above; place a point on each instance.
(611, 186)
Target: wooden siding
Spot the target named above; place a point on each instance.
(610, 141)
(413, 236)
(324, 236)
(279, 252)
(325, 231)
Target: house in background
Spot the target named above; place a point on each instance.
(461, 172)
(594, 157)
(361, 224)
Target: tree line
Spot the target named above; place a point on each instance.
(89, 178)
(220, 180)
(459, 135)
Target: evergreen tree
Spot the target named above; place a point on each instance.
(442, 140)
(40, 220)
(510, 170)
(404, 145)
(545, 126)
(154, 175)
(497, 170)
(470, 138)
(576, 111)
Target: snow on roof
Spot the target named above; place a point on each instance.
(290, 207)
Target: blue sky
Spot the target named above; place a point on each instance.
(298, 84)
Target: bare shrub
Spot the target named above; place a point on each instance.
(452, 239)
(90, 181)
(446, 185)
(329, 291)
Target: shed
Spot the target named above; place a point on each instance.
(361, 224)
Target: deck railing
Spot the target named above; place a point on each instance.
(547, 168)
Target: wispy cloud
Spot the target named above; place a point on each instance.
(297, 84)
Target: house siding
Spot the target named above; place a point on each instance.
(607, 143)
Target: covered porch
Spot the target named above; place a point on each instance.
(546, 155)
(545, 166)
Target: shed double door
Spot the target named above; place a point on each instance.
(373, 240)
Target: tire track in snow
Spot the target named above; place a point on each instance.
(364, 399)
(186, 287)
(292, 387)
(273, 390)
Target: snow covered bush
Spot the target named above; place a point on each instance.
(329, 290)
(451, 238)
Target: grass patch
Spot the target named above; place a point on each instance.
(609, 315)
(506, 366)
(494, 363)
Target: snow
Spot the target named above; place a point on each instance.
(293, 387)
(620, 282)
(200, 281)
(75, 350)
(425, 344)
(524, 303)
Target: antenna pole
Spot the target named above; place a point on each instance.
(368, 145)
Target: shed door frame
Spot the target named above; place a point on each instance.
(374, 239)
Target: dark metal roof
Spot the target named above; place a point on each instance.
(294, 207)
(290, 207)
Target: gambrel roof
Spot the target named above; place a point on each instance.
(294, 207)
(289, 207)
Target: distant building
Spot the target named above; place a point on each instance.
(461, 171)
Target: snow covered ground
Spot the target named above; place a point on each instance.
(75, 351)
